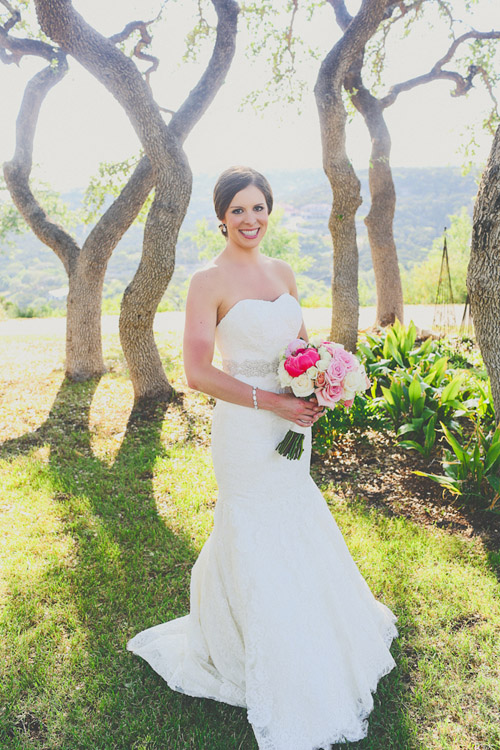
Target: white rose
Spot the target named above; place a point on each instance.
(355, 381)
(322, 365)
(348, 394)
(302, 386)
(312, 372)
(316, 341)
(324, 353)
(351, 380)
(283, 376)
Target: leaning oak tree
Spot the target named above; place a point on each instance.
(164, 168)
(345, 185)
(85, 265)
(380, 219)
(483, 274)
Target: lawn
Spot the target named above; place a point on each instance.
(104, 512)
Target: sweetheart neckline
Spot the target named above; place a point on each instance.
(256, 299)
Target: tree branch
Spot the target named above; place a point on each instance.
(462, 84)
(129, 29)
(144, 41)
(204, 92)
(113, 224)
(17, 171)
(343, 53)
(12, 49)
(15, 16)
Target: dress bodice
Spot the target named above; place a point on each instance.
(253, 332)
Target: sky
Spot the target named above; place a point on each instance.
(81, 125)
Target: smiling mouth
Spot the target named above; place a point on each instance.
(250, 234)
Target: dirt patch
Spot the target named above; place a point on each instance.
(377, 469)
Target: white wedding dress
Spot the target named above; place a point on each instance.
(281, 621)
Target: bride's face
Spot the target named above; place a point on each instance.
(246, 218)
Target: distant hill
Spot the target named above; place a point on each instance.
(31, 275)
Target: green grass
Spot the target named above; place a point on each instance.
(103, 513)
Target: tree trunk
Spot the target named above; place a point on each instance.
(345, 185)
(85, 266)
(144, 293)
(483, 275)
(84, 358)
(346, 190)
(380, 219)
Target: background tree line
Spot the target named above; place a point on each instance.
(30, 276)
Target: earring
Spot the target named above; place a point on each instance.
(223, 229)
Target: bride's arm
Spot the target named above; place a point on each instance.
(198, 351)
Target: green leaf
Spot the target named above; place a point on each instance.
(450, 391)
(459, 452)
(388, 395)
(415, 390)
(413, 445)
(492, 455)
(430, 433)
(442, 480)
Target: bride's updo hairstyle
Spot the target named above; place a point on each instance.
(230, 182)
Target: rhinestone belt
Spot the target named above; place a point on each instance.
(250, 367)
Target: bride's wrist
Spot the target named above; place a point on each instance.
(266, 399)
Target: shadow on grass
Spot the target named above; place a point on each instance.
(129, 571)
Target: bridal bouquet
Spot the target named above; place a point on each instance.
(322, 368)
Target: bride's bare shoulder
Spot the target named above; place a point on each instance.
(206, 283)
(283, 270)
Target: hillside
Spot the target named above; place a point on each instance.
(32, 276)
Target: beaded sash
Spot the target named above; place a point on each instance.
(250, 367)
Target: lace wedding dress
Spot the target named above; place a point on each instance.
(281, 621)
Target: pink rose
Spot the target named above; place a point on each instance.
(320, 380)
(303, 359)
(329, 396)
(330, 347)
(348, 403)
(349, 361)
(336, 371)
(294, 345)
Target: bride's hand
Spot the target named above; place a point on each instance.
(299, 410)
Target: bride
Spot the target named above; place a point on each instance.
(281, 621)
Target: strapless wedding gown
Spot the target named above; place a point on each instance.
(281, 621)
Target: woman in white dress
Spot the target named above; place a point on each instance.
(281, 621)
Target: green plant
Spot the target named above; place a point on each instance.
(394, 349)
(478, 403)
(471, 471)
(415, 403)
(364, 413)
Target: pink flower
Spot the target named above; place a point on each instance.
(349, 361)
(348, 403)
(303, 359)
(330, 395)
(294, 345)
(320, 380)
(336, 371)
(330, 347)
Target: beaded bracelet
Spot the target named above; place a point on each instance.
(254, 397)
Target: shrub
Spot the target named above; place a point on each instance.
(471, 470)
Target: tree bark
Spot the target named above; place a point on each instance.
(344, 183)
(380, 219)
(483, 274)
(163, 148)
(84, 266)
